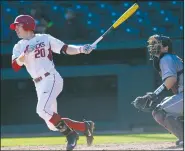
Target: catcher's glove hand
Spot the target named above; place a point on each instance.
(146, 103)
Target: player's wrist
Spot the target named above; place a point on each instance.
(160, 89)
(87, 48)
(20, 63)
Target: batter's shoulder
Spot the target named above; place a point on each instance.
(20, 43)
(41, 35)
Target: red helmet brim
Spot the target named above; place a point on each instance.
(12, 26)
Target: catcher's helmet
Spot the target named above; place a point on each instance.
(155, 43)
(27, 21)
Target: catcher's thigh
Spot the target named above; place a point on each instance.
(171, 123)
(174, 105)
(48, 90)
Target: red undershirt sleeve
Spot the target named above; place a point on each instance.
(15, 66)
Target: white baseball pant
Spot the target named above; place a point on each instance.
(48, 90)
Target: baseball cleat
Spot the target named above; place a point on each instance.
(72, 139)
(89, 132)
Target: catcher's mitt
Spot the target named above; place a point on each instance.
(146, 103)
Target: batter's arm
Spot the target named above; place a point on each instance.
(18, 58)
(70, 49)
(58, 46)
(74, 50)
(18, 62)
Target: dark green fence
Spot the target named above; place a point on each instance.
(100, 93)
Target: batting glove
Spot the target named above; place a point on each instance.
(87, 48)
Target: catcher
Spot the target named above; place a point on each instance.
(168, 112)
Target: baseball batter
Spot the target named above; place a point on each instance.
(34, 51)
(169, 111)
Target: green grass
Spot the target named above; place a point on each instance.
(99, 139)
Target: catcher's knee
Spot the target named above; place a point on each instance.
(159, 115)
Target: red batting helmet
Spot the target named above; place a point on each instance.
(27, 21)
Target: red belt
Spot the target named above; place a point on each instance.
(40, 78)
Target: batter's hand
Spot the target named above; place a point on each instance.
(88, 48)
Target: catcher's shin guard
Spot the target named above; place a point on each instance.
(89, 132)
(172, 124)
(175, 126)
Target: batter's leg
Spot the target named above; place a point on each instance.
(51, 88)
(48, 90)
(54, 109)
(87, 127)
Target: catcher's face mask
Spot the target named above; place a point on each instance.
(154, 47)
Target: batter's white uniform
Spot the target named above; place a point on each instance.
(38, 63)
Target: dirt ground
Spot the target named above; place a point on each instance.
(130, 146)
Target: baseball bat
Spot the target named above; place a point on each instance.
(120, 20)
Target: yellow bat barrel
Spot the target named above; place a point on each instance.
(126, 15)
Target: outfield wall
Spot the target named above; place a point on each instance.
(111, 110)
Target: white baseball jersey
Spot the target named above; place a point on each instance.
(39, 60)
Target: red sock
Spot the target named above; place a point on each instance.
(55, 119)
(76, 125)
